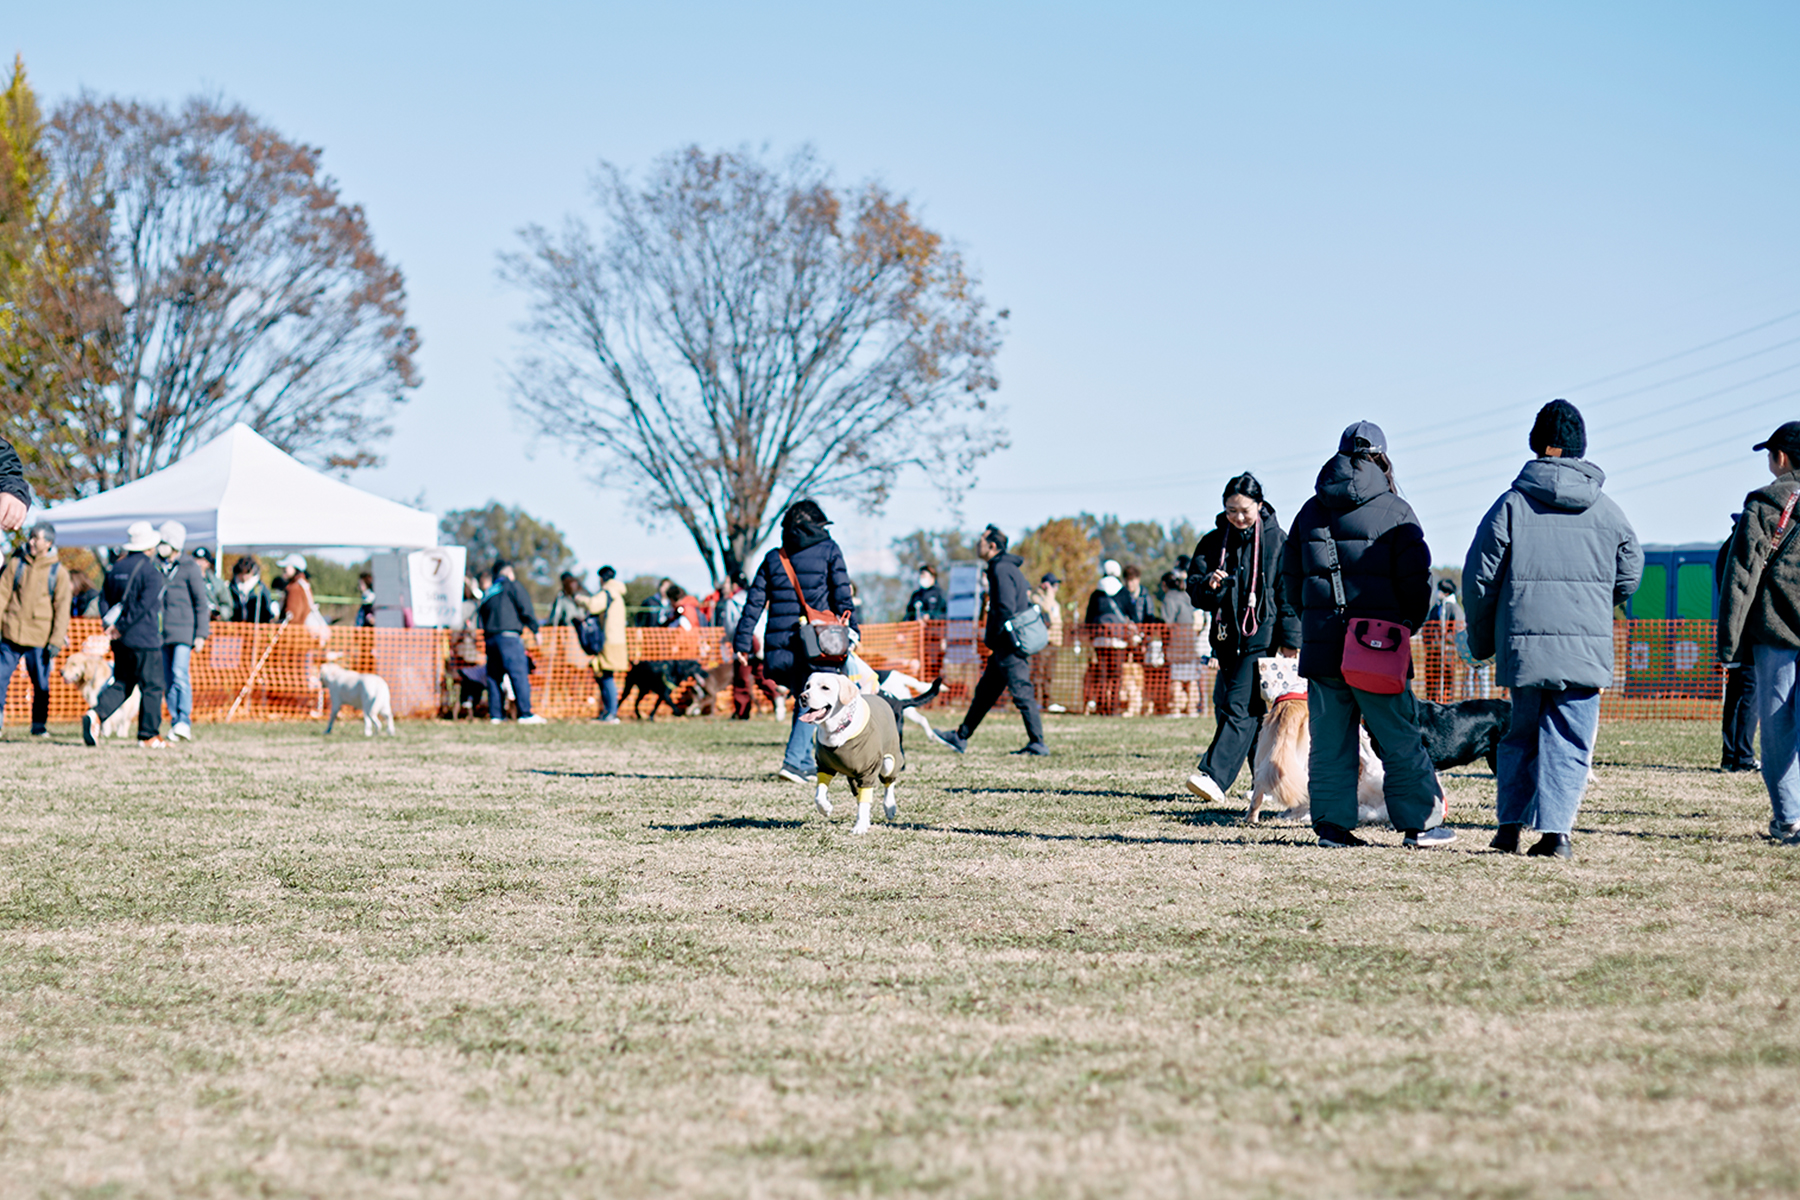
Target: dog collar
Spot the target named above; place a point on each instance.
(1290, 696)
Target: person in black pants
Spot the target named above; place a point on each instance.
(1006, 667)
(134, 588)
(506, 612)
(1737, 724)
(1235, 574)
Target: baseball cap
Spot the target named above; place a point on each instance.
(1051, 577)
(1364, 435)
(1786, 439)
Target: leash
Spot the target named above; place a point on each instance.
(1249, 623)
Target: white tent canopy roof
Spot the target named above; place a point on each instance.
(240, 490)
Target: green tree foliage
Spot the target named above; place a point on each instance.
(939, 547)
(537, 549)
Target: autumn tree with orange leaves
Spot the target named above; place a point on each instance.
(745, 333)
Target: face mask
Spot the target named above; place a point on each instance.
(924, 581)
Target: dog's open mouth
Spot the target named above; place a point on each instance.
(814, 716)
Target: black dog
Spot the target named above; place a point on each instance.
(661, 678)
(1458, 734)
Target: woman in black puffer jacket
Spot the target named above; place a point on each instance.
(1235, 575)
(819, 566)
(1357, 519)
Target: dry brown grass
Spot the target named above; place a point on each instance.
(622, 961)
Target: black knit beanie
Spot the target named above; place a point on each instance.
(1559, 424)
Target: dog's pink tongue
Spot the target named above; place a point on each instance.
(812, 716)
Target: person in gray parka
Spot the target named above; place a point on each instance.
(1550, 561)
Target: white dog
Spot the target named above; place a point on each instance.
(859, 737)
(902, 686)
(369, 693)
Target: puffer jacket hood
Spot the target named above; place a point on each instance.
(1565, 484)
(1345, 483)
(801, 536)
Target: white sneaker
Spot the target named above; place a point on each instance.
(533, 719)
(181, 732)
(792, 776)
(1202, 785)
(495, 721)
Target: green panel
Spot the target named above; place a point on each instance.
(1694, 590)
(1652, 599)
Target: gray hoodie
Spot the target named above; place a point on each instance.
(1550, 560)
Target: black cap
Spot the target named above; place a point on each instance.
(571, 575)
(500, 564)
(203, 552)
(1785, 439)
(1364, 435)
(1051, 577)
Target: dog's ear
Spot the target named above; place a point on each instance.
(847, 691)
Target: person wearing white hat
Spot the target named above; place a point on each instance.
(187, 621)
(133, 597)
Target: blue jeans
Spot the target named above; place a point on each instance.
(1545, 756)
(37, 665)
(1775, 705)
(178, 685)
(799, 756)
(506, 657)
(609, 696)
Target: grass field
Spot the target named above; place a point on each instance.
(624, 961)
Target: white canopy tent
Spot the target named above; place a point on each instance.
(240, 490)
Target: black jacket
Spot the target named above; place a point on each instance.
(256, 608)
(1381, 552)
(12, 473)
(506, 608)
(1008, 593)
(1228, 549)
(136, 585)
(187, 614)
(927, 604)
(824, 577)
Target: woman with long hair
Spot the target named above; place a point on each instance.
(1233, 576)
(1356, 550)
(824, 579)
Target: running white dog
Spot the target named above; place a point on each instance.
(368, 693)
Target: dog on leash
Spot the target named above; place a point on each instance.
(660, 678)
(366, 693)
(859, 737)
(90, 671)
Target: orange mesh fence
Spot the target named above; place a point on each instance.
(1663, 669)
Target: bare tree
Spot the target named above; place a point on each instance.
(748, 334)
(212, 275)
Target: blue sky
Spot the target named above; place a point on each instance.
(1223, 231)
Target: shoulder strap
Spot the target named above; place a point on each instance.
(1337, 572)
(1781, 526)
(18, 571)
(809, 613)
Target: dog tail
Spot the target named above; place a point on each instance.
(923, 698)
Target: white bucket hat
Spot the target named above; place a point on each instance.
(174, 534)
(1111, 567)
(296, 561)
(141, 535)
